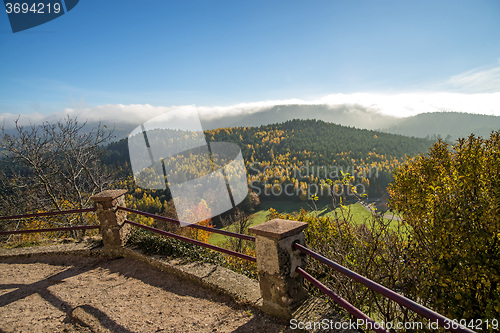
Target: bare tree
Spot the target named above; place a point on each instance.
(53, 166)
(237, 222)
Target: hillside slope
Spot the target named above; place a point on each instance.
(275, 153)
(453, 125)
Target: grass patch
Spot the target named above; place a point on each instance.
(255, 219)
(25, 244)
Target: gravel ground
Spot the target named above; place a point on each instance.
(67, 293)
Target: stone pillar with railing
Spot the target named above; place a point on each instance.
(282, 289)
(112, 227)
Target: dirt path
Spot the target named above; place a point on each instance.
(55, 293)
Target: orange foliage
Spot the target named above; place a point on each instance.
(200, 210)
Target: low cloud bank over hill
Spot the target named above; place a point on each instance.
(456, 115)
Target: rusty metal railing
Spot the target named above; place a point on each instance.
(339, 300)
(29, 231)
(442, 321)
(193, 241)
(157, 217)
(196, 226)
(62, 212)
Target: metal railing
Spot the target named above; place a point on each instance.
(339, 300)
(29, 231)
(442, 321)
(62, 212)
(59, 212)
(403, 301)
(158, 231)
(193, 241)
(189, 240)
(195, 226)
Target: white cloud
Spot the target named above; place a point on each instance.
(400, 105)
(482, 80)
(114, 113)
(409, 104)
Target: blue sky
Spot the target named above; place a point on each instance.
(110, 56)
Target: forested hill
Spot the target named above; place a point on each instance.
(296, 143)
(275, 153)
(317, 140)
(302, 138)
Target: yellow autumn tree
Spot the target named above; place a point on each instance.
(451, 201)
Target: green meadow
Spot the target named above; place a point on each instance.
(356, 210)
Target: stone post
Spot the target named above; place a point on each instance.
(281, 287)
(112, 227)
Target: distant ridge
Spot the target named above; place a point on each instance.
(453, 125)
(436, 124)
(348, 115)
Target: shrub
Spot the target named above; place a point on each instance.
(451, 201)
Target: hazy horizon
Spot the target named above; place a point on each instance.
(135, 62)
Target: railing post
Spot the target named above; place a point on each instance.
(111, 220)
(281, 287)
